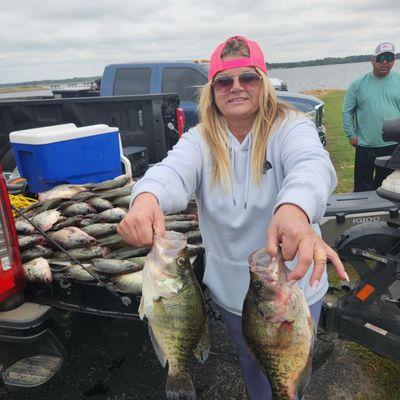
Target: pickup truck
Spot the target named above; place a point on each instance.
(183, 78)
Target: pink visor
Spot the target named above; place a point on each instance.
(256, 58)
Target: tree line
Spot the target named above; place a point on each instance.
(323, 61)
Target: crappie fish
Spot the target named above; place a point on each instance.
(72, 237)
(110, 266)
(78, 273)
(100, 204)
(38, 270)
(101, 229)
(61, 191)
(35, 251)
(278, 327)
(23, 226)
(28, 241)
(174, 306)
(46, 219)
(127, 283)
(117, 182)
(86, 253)
(113, 215)
(80, 208)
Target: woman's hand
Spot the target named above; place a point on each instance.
(144, 218)
(290, 228)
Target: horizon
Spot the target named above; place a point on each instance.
(49, 80)
(74, 38)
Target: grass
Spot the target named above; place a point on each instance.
(16, 89)
(384, 372)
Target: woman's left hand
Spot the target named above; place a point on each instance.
(291, 229)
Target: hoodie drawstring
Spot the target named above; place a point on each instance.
(246, 194)
(233, 180)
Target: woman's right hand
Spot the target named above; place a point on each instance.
(144, 219)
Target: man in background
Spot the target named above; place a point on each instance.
(369, 101)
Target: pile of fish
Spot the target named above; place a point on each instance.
(83, 220)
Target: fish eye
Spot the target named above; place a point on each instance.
(257, 284)
(181, 261)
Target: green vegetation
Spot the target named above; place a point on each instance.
(323, 61)
(47, 82)
(384, 372)
(12, 89)
(342, 154)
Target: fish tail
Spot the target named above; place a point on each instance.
(180, 387)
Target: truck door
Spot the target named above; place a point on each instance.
(186, 82)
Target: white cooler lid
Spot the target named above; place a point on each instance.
(58, 133)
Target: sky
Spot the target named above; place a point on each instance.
(57, 39)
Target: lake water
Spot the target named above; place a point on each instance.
(338, 76)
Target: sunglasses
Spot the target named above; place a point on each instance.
(389, 57)
(247, 80)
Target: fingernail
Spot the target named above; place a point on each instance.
(292, 282)
(346, 277)
(315, 285)
(273, 259)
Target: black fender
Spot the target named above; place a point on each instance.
(382, 237)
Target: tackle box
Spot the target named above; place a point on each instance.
(346, 210)
(53, 155)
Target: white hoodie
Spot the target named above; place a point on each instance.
(234, 223)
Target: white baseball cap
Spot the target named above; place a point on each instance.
(385, 47)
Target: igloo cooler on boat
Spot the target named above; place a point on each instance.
(346, 210)
(58, 154)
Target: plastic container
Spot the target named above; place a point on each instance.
(58, 154)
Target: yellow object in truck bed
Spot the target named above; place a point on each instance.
(20, 201)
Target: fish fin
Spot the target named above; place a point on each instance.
(203, 347)
(141, 308)
(304, 379)
(157, 349)
(180, 387)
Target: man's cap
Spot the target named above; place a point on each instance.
(385, 47)
(256, 58)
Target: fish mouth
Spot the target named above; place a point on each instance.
(170, 246)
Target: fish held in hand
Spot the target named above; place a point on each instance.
(278, 327)
(173, 303)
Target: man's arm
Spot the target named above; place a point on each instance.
(348, 114)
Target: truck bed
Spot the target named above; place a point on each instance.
(142, 120)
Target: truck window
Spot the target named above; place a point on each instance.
(132, 81)
(183, 81)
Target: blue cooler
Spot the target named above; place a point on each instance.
(58, 154)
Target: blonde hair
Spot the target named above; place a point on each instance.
(214, 127)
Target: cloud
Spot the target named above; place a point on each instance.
(61, 39)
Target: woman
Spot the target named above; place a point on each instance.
(259, 174)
